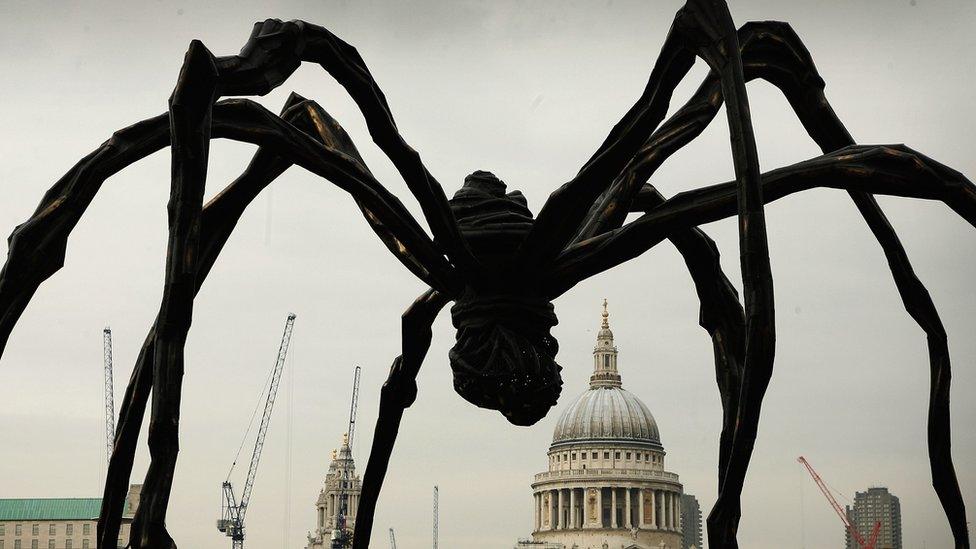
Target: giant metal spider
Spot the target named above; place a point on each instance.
(500, 266)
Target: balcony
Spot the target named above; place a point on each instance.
(595, 474)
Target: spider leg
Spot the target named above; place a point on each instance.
(37, 246)
(709, 27)
(772, 51)
(398, 393)
(790, 67)
(893, 170)
(275, 49)
(190, 108)
(720, 314)
(219, 218)
(561, 216)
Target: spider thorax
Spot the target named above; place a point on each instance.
(504, 357)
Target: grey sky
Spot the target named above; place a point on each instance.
(527, 90)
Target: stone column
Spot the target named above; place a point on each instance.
(542, 516)
(654, 521)
(535, 512)
(599, 507)
(667, 510)
(572, 508)
(628, 523)
(551, 511)
(613, 507)
(560, 524)
(640, 508)
(668, 505)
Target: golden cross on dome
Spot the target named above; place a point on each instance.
(606, 323)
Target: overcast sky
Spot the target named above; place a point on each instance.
(527, 90)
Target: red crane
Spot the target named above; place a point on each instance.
(840, 512)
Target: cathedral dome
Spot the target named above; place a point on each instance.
(606, 412)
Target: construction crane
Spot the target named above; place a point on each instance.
(840, 512)
(109, 394)
(232, 513)
(392, 539)
(354, 406)
(435, 517)
(342, 535)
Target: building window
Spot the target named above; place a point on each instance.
(3, 529)
(16, 544)
(85, 544)
(50, 544)
(35, 529)
(583, 456)
(628, 455)
(67, 544)
(616, 455)
(18, 530)
(606, 455)
(33, 544)
(52, 529)
(638, 456)
(69, 529)
(594, 455)
(573, 456)
(606, 361)
(86, 529)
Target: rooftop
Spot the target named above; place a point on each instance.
(50, 508)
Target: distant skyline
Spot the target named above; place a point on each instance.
(527, 90)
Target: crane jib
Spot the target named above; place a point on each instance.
(232, 515)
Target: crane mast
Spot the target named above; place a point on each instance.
(342, 536)
(233, 511)
(435, 517)
(109, 394)
(858, 538)
(354, 406)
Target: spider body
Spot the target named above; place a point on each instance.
(504, 358)
(499, 264)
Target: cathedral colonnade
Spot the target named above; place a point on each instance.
(610, 506)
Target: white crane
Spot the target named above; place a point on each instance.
(232, 511)
(342, 535)
(109, 394)
(435, 517)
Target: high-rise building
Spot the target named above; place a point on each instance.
(59, 523)
(606, 485)
(691, 523)
(876, 505)
(338, 500)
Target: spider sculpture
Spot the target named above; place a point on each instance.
(500, 266)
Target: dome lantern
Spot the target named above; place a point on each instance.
(605, 372)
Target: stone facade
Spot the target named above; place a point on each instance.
(606, 486)
(59, 523)
(335, 509)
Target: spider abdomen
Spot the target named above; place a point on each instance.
(505, 357)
